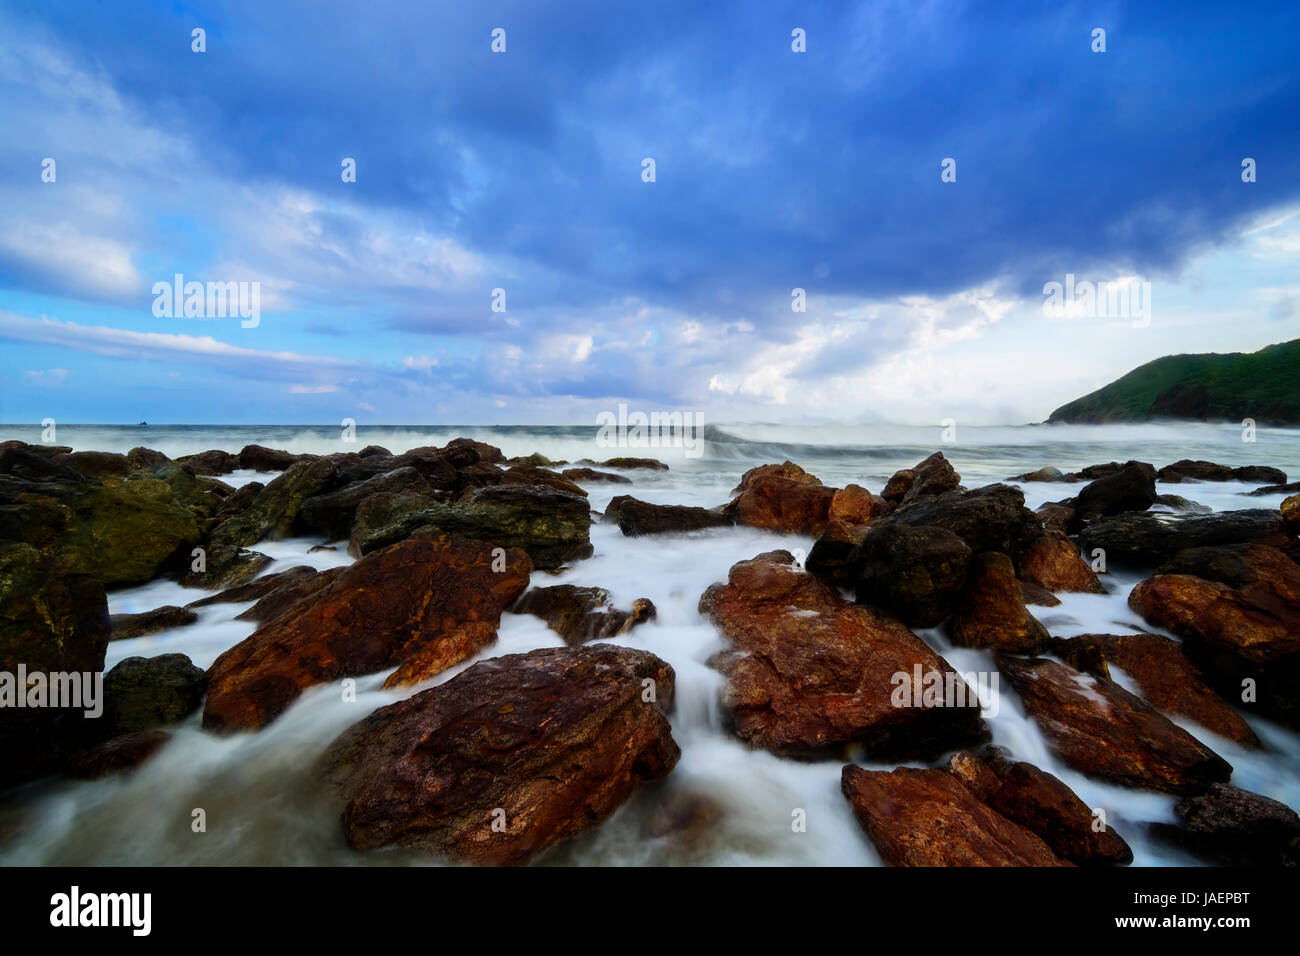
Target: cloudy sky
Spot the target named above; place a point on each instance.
(522, 170)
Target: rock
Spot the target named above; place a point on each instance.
(1150, 539)
(1132, 488)
(374, 451)
(852, 510)
(124, 626)
(434, 600)
(784, 505)
(992, 518)
(1259, 475)
(933, 476)
(1233, 827)
(1053, 562)
(548, 743)
(529, 475)
(1165, 677)
(1239, 565)
(536, 459)
(1038, 596)
(472, 477)
(32, 463)
(239, 499)
(991, 612)
(122, 753)
(1187, 470)
(641, 517)
(927, 818)
(1046, 473)
(96, 464)
(382, 509)
(650, 464)
(591, 474)
(1044, 805)
(914, 572)
(261, 458)
(287, 595)
(257, 588)
(489, 454)
(213, 462)
(146, 458)
(275, 511)
(1290, 510)
(142, 693)
(1250, 633)
(787, 469)
(1057, 516)
(1267, 490)
(1179, 503)
(582, 614)
(333, 512)
(1102, 730)
(809, 672)
(53, 619)
(225, 567)
(552, 526)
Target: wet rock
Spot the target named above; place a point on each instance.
(124, 626)
(933, 476)
(991, 612)
(581, 614)
(333, 512)
(1150, 539)
(1041, 803)
(786, 469)
(239, 499)
(275, 511)
(852, 510)
(1234, 827)
(1179, 503)
(380, 510)
(116, 755)
(489, 454)
(141, 693)
(927, 818)
(547, 744)
(992, 518)
(146, 458)
(551, 526)
(287, 595)
(261, 458)
(635, 517)
(529, 475)
(433, 599)
(53, 619)
(1165, 676)
(1132, 488)
(1236, 635)
(224, 567)
(1053, 562)
(591, 474)
(374, 451)
(1290, 511)
(1046, 473)
(1187, 470)
(1056, 516)
(212, 462)
(809, 672)
(32, 463)
(1038, 596)
(914, 572)
(1267, 490)
(1259, 474)
(650, 464)
(96, 464)
(1102, 730)
(784, 505)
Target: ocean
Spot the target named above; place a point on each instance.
(261, 799)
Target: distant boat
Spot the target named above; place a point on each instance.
(142, 425)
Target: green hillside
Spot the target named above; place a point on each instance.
(1263, 385)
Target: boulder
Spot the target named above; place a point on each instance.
(992, 518)
(212, 462)
(580, 614)
(116, 755)
(146, 458)
(490, 454)
(287, 594)
(426, 603)
(927, 818)
(142, 693)
(508, 758)
(809, 673)
(1057, 515)
(258, 587)
(1102, 730)
(914, 572)
(592, 475)
(224, 566)
(786, 469)
(933, 476)
(96, 464)
(852, 510)
(261, 458)
(333, 512)
(1187, 470)
(1052, 561)
(275, 511)
(991, 613)
(1132, 488)
(531, 475)
(1046, 473)
(1148, 540)
(1165, 677)
(124, 626)
(37, 464)
(636, 518)
(1229, 826)
(784, 505)
(650, 464)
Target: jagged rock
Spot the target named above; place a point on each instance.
(933, 476)
(582, 614)
(992, 518)
(333, 512)
(1053, 562)
(275, 511)
(635, 517)
(591, 474)
(118, 754)
(96, 464)
(1234, 827)
(786, 469)
(1132, 488)
(991, 612)
(124, 626)
(1151, 539)
(914, 572)
(784, 505)
(261, 458)
(142, 693)
(287, 595)
(212, 462)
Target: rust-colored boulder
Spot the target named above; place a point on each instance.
(1053, 562)
(1056, 516)
(786, 469)
(1041, 803)
(784, 505)
(1233, 827)
(809, 672)
(852, 511)
(281, 599)
(1164, 675)
(1251, 633)
(927, 818)
(933, 476)
(1102, 730)
(991, 611)
(508, 758)
(635, 517)
(1038, 596)
(1290, 509)
(437, 598)
(580, 614)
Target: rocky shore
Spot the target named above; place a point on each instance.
(509, 758)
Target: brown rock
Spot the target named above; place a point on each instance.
(809, 672)
(787, 469)
(1033, 594)
(546, 744)
(437, 597)
(927, 818)
(933, 476)
(1100, 729)
(635, 517)
(591, 474)
(582, 614)
(991, 612)
(784, 505)
(287, 595)
(1234, 827)
(1053, 562)
(1166, 678)
(123, 752)
(123, 626)
(1056, 516)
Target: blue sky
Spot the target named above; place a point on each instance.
(522, 170)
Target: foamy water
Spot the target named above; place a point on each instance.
(264, 806)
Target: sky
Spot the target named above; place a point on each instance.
(919, 170)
